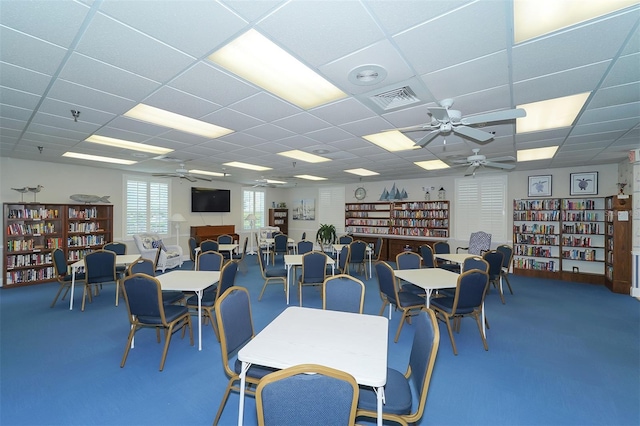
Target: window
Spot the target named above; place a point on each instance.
(147, 206)
(481, 205)
(331, 208)
(252, 203)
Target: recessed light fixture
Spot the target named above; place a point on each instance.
(367, 75)
(362, 172)
(551, 114)
(279, 182)
(432, 164)
(320, 151)
(303, 156)
(247, 166)
(257, 59)
(204, 172)
(98, 158)
(120, 143)
(310, 177)
(392, 140)
(536, 153)
(175, 121)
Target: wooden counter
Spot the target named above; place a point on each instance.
(212, 232)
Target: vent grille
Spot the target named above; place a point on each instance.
(395, 98)
(169, 159)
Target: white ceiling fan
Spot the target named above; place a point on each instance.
(182, 173)
(445, 120)
(477, 160)
(267, 183)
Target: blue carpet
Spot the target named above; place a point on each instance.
(559, 354)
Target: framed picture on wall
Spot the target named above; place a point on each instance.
(585, 183)
(540, 186)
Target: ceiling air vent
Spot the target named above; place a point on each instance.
(395, 98)
(169, 159)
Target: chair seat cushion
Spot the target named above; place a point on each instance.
(446, 304)
(208, 299)
(408, 299)
(171, 312)
(170, 297)
(397, 394)
(80, 277)
(275, 272)
(412, 288)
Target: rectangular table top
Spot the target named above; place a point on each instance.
(429, 278)
(296, 259)
(454, 257)
(188, 280)
(121, 259)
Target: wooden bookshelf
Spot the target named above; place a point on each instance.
(618, 244)
(279, 218)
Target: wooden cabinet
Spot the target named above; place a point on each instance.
(279, 218)
(618, 244)
(33, 231)
(212, 232)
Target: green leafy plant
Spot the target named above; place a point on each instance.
(326, 234)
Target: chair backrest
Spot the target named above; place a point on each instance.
(426, 252)
(470, 291)
(345, 239)
(225, 239)
(209, 261)
(408, 260)
(209, 245)
(227, 276)
(280, 243)
(60, 262)
(307, 394)
(314, 266)
(235, 324)
(244, 247)
(305, 246)
(507, 253)
(344, 258)
(441, 247)
(192, 248)
(422, 358)
(479, 242)
(143, 296)
(100, 266)
(141, 266)
(357, 250)
(387, 282)
(494, 259)
(343, 293)
(475, 262)
(377, 248)
(116, 247)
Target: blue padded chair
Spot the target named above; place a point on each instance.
(343, 293)
(377, 249)
(507, 253)
(494, 258)
(143, 297)
(409, 260)
(242, 266)
(100, 268)
(442, 247)
(208, 245)
(345, 239)
(343, 258)
(307, 394)
(398, 392)
(314, 269)
(475, 262)
(119, 249)
(271, 273)
(426, 252)
(209, 261)
(63, 276)
(305, 246)
(145, 266)
(227, 279)
(192, 249)
(225, 239)
(357, 256)
(468, 300)
(280, 246)
(233, 319)
(408, 302)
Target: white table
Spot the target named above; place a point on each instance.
(429, 279)
(195, 281)
(221, 247)
(121, 260)
(337, 248)
(291, 260)
(455, 257)
(354, 343)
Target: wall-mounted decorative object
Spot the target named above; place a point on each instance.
(304, 209)
(393, 194)
(427, 194)
(360, 193)
(442, 194)
(584, 183)
(621, 187)
(539, 186)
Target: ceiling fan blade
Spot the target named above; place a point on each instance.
(440, 114)
(189, 178)
(506, 158)
(428, 138)
(471, 170)
(164, 175)
(418, 128)
(201, 178)
(489, 117)
(460, 161)
(472, 133)
(499, 165)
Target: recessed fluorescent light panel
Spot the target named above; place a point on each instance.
(362, 172)
(432, 164)
(120, 143)
(551, 114)
(255, 58)
(392, 140)
(310, 177)
(247, 166)
(164, 118)
(204, 172)
(98, 158)
(533, 18)
(536, 153)
(275, 181)
(303, 156)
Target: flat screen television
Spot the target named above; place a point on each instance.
(210, 200)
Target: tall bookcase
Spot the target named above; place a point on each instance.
(34, 230)
(279, 218)
(618, 244)
(561, 238)
(402, 218)
(367, 218)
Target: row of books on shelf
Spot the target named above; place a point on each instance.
(87, 213)
(30, 275)
(538, 239)
(587, 255)
(366, 214)
(581, 228)
(366, 230)
(77, 254)
(85, 227)
(580, 216)
(85, 240)
(40, 213)
(383, 206)
(577, 241)
(30, 245)
(419, 214)
(534, 228)
(31, 228)
(367, 222)
(547, 204)
(537, 215)
(609, 257)
(420, 205)
(578, 204)
(279, 214)
(34, 259)
(532, 251)
(421, 232)
(422, 223)
(533, 264)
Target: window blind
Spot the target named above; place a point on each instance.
(330, 207)
(253, 203)
(481, 205)
(146, 206)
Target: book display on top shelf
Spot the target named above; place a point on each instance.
(34, 230)
(618, 243)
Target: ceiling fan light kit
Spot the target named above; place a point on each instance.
(182, 173)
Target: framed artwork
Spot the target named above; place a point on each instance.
(304, 209)
(585, 183)
(540, 186)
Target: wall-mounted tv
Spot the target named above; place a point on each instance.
(210, 200)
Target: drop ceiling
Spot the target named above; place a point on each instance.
(102, 58)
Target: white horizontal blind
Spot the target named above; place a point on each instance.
(146, 206)
(330, 207)
(253, 203)
(481, 205)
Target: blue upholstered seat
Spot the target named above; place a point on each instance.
(314, 270)
(145, 266)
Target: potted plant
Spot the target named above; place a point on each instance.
(326, 234)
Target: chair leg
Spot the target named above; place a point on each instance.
(84, 296)
(453, 342)
(225, 397)
(384, 305)
(167, 340)
(506, 278)
(404, 316)
(132, 331)
(55, 299)
(484, 340)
